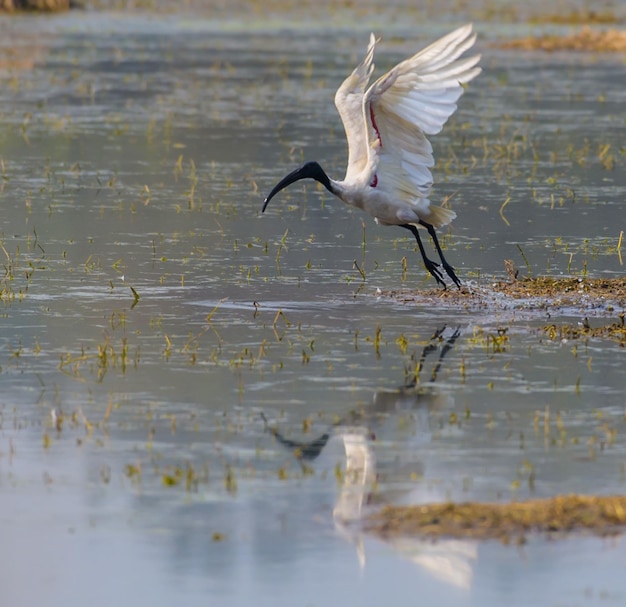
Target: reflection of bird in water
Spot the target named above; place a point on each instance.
(387, 125)
(414, 398)
(449, 560)
(302, 450)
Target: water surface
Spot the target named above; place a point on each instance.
(135, 458)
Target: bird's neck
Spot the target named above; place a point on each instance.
(320, 175)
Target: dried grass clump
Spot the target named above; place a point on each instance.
(577, 17)
(600, 515)
(589, 296)
(586, 39)
(11, 6)
(572, 288)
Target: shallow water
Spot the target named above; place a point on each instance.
(136, 461)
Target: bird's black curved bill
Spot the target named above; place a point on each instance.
(299, 173)
(309, 170)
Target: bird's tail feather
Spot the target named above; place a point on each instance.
(439, 216)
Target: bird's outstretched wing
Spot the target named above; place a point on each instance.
(349, 102)
(413, 100)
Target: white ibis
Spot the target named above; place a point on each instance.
(386, 125)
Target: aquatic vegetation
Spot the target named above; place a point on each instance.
(494, 341)
(20, 267)
(230, 480)
(584, 330)
(99, 360)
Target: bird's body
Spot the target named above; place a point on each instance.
(387, 211)
(389, 156)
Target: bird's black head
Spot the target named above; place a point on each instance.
(309, 170)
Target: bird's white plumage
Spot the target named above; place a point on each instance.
(386, 125)
(389, 155)
(349, 103)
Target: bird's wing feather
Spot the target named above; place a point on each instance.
(411, 101)
(349, 103)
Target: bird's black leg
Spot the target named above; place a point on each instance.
(431, 266)
(446, 266)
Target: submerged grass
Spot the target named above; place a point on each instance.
(600, 515)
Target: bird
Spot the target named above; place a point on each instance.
(386, 126)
